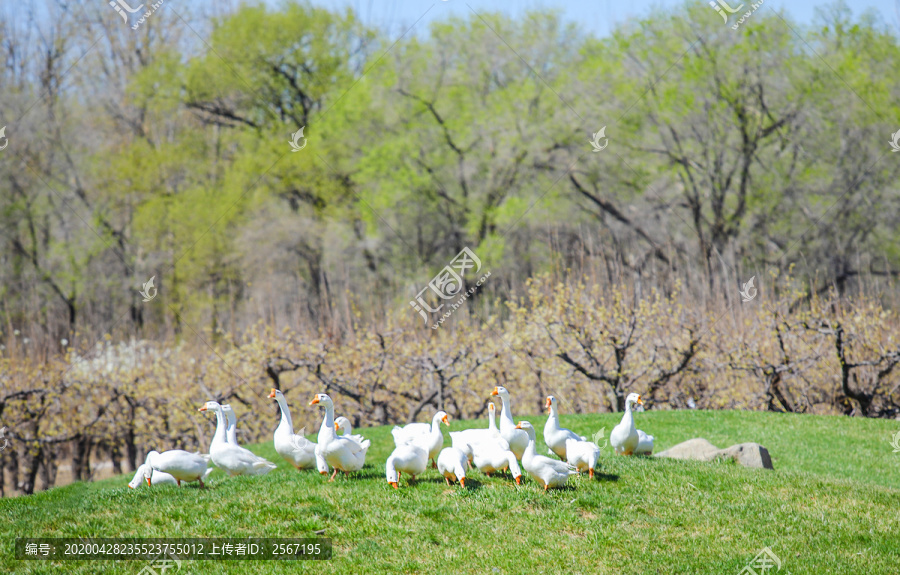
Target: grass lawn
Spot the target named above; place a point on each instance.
(832, 505)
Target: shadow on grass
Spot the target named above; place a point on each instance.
(605, 476)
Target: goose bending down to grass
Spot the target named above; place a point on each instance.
(463, 440)
(230, 424)
(406, 458)
(181, 465)
(429, 437)
(624, 437)
(231, 458)
(156, 477)
(342, 453)
(451, 463)
(583, 455)
(293, 447)
(548, 472)
(490, 456)
(555, 436)
(517, 439)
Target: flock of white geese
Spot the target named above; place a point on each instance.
(491, 450)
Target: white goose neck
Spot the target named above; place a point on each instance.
(628, 417)
(553, 415)
(285, 414)
(506, 412)
(329, 416)
(530, 451)
(220, 426)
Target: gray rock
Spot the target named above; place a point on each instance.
(751, 455)
(698, 449)
(748, 454)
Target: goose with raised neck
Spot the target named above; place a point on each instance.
(517, 438)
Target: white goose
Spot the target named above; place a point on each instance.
(583, 455)
(342, 453)
(181, 465)
(624, 437)
(555, 436)
(429, 437)
(645, 444)
(230, 424)
(293, 447)
(517, 439)
(465, 439)
(156, 477)
(406, 458)
(451, 463)
(490, 456)
(548, 472)
(344, 428)
(233, 459)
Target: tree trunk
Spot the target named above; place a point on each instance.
(81, 458)
(49, 467)
(32, 463)
(131, 451)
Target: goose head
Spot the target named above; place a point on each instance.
(343, 424)
(491, 408)
(527, 428)
(276, 394)
(148, 469)
(392, 477)
(501, 391)
(322, 400)
(442, 417)
(210, 405)
(551, 402)
(143, 472)
(632, 399)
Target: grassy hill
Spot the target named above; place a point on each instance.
(830, 506)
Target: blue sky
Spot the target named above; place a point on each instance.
(597, 16)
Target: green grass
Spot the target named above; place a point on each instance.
(832, 505)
